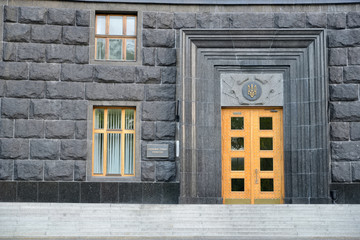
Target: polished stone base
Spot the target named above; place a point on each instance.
(346, 193)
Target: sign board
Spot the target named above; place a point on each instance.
(157, 151)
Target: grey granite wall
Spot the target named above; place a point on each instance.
(47, 81)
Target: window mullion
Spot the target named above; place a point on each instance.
(105, 142)
(123, 142)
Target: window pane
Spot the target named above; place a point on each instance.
(130, 49)
(129, 119)
(130, 26)
(265, 123)
(114, 153)
(237, 123)
(100, 24)
(129, 153)
(99, 118)
(98, 153)
(266, 144)
(114, 119)
(100, 48)
(116, 25)
(237, 143)
(237, 184)
(266, 164)
(115, 49)
(267, 185)
(237, 164)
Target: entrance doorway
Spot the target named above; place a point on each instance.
(252, 156)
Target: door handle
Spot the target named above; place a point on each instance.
(256, 176)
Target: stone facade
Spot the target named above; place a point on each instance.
(49, 79)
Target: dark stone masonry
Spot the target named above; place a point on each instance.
(49, 82)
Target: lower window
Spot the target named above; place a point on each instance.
(113, 147)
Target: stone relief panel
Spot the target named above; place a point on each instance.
(238, 89)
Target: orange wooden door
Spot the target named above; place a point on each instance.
(252, 156)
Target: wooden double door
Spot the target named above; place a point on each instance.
(252, 156)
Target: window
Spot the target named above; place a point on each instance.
(115, 37)
(113, 141)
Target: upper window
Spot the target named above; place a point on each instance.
(113, 141)
(115, 37)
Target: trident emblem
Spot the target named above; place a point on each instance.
(252, 90)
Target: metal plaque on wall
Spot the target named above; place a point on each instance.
(157, 150)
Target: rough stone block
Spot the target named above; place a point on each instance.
(344, 38)
(165, 130)
(159, 38)
(44, 149)
(28, 170)
(29, 128)
(76, 35)
(45, 71)
(147, 75)
(32, 15)
(341, 172)
(339, 131)
(6, 128)
(345, 111)
(337, 57)
(158, 111)
(207, 20)
(59, 171)
(46, 34)
(45, 109)
(165, 20)
(355, 168)
(316, 20)
(354, 55)
(2, 89)
(83, 18)
(160, 92)
(65, 90)
(336, 20)
(345, 151)
(355, 131)
(14, 32)
(59, 129)
(80, 171)
(10, 14)
(148, 57)
(166, 57)
(290, 20)
(82, 54)
(60, 53)
(165, 171)
(252, 20)
(25, 89)
(168, 75)
(73, 150)
(80, 129)
(9, 51)
(336, 75)
(147, 171)
(6, 169)
(121, 74)
(184, 20)
(149, 19)
(148, 130)
(31, 52)
(77, 73)
(344, 92)
(74, 110)
(61, 16)
(353, 19)
(126, 92)
(225, 20)
(13, 70)
(352, 74)
(14, 148)
(15, 108)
